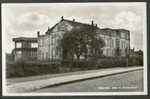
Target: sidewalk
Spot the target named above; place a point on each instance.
(46, 76)
(28, 86)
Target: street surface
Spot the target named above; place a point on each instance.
(124, 82)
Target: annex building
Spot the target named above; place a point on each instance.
(25, 49)
(48, 44)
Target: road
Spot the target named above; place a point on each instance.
(125, 82)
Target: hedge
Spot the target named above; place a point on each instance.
(22, 69)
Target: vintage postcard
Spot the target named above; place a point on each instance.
(56, 49)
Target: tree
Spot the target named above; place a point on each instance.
(77, 43)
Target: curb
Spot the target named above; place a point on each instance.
(39, 84)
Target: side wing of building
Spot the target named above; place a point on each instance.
(117, 42)
(25, 49)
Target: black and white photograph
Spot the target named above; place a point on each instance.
(56, 49)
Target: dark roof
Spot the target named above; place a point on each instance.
(25, 39)
(114, 29)
(112, 32)
(79, 24)
(75, 23)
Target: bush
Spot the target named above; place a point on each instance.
(98, 63)
(111, 62)
(135, 60)
(21, 69)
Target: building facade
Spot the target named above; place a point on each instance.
(25, 49)
(117, 41)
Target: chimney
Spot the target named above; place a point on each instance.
(38, 33)
(73, 20)
(62, 18)
(48, 28)
(92, 23)
(96, 25)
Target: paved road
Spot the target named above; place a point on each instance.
(131, 81)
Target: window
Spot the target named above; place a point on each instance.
(39, 42)
(107, 42)
(52, 52)
(42, 42)
(123, 35)
(46, 55)
(117, 43)
(34, 45)
(52, 41)
(121, 44)
(107, 52)
(19, 52)
(127, 36)
(112, 43)
(18, 45)
(43, 56)
(47, 41)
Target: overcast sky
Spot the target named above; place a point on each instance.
(24, 20)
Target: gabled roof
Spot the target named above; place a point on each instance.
(79, 24)
(74, 24)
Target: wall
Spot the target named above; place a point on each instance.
(49, 49)
(48, 44)
(110, 37)
(25, 51)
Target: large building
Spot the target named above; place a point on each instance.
(116, 40)
(25, 49)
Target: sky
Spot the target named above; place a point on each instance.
(24, 20)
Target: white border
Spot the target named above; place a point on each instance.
(4, 93)
(3, 59)
(145, 50)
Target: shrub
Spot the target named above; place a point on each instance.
(136, 60)
(21, 68)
